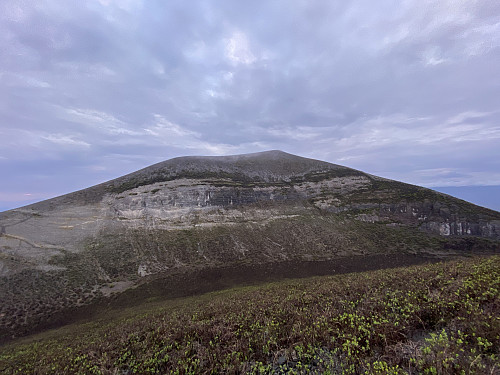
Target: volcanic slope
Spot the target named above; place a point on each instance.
(192, 224)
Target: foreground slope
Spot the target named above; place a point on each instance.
(180, 218)
(432, 319)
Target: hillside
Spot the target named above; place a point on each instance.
(428, 319)
(217, 222)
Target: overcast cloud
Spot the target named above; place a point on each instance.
(94, 89)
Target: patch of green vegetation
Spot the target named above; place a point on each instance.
(226, 179)
(434, 319)
(134, 182)
(383, 192)
(327, 175)
(114, 254)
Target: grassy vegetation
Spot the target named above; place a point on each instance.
(382, 191)
(137, 181)
(327, 175)
(229, 179)
(32, 298)
(435, 319)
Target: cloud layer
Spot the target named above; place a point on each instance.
(92, 90)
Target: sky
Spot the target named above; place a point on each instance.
(91, 90)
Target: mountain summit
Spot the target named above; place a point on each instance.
(179, 225)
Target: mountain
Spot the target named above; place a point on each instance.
(192, 224)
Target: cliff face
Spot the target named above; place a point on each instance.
(197, 213)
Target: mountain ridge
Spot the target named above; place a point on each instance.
(204, 166)
(191, 214)
(192, 164)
